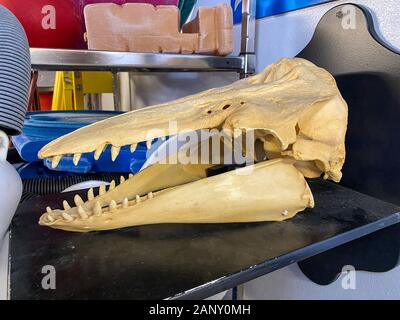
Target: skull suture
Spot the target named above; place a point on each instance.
(294, 108)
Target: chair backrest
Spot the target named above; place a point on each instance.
(368, 74)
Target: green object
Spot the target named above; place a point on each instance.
(185, 8)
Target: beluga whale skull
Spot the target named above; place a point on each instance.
(298, 119)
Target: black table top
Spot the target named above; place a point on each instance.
(182, 261)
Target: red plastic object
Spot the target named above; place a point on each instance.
(59, 23)
(50, 23)
(46, 99)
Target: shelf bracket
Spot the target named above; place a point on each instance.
(247, 45)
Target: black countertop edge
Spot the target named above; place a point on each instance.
(228, 282)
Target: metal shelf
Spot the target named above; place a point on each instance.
(83, 60)
(80, 60)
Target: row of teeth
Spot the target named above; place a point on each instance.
(97, 210)
(97, 153)
(91, 196)
(116, 150)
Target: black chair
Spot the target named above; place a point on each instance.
(368, 75)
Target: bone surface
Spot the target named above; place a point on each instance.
(261, 193)
(295, 106)
(299, 119)
(154, 178)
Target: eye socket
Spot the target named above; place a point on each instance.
(242, 102)
(209, 111)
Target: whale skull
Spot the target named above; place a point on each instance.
(293, 107)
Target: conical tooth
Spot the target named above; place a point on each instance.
(102, 189)
(90, 194)
(112, 185)
(66, 205)
(149, 143)
(125, 203)
(130, 175)
(122, 180)
(78, 201)
(77, 157)
(55, 161)
(138, 200)
(113, 205)
(97, 209)
(150, 195)
(237, 133)
(133, 147)
(82, 213)
(48, 209)
(67, 217)
(50, 218)
(115, 152)
(99, 151)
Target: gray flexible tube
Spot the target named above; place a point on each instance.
(15, 73)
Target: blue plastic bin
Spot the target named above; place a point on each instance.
(42, 127)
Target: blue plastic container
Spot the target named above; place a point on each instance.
(42, 127)
(266, 8)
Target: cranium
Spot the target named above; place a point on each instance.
(293, 107)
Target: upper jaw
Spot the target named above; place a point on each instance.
(137, 126)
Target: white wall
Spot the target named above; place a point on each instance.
(287, 34)
(291, 284)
